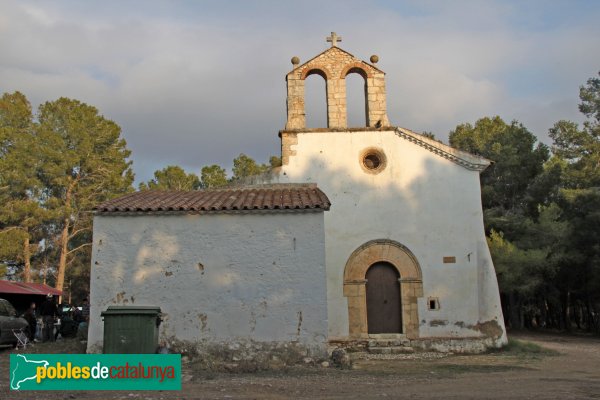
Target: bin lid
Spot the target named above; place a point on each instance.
(131, 310)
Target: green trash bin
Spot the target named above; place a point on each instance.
(131, 330)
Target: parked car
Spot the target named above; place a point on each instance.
(8, 322)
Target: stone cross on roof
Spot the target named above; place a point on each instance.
(334, 38)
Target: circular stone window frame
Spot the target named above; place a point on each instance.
(373, 151)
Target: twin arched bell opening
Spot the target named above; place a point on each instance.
(334, 65)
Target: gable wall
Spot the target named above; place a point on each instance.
(425, 202)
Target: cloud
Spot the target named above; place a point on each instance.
(197, 83)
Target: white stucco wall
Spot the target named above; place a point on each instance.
(421, 200)
(217, 277)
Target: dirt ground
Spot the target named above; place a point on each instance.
(570, 369)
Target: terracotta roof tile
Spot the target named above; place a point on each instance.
(244, 198)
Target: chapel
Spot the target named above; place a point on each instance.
(366, 236)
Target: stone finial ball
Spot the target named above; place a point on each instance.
(295, 60)
(374, 59)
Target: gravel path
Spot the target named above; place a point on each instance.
(573, 374)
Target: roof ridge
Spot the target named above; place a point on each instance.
(275, 197)
(260, 186)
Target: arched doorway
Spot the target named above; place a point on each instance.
(408, 275)
(384, 307)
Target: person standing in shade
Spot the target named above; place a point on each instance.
(85, 320)
(31, 320)
(48, 310)
(85, 310)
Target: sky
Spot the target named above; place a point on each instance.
(194, 83)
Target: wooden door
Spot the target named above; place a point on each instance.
(384, 310)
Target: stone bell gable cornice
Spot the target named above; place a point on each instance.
(336, 53)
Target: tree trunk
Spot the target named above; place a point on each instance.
(514, 317)
(591, 321)
(567, 311)
(26, 259)
(595, 317)
(62, 262)
(64, 239)
(578, 314)
(521, 318)
(45, 271)
(544, 313)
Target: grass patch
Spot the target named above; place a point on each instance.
(523, 348)
(453, 369)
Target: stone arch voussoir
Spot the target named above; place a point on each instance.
(320, 70)
(356, 67)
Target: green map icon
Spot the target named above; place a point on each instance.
(23, 369)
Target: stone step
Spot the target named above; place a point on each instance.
(387, 336)
(388, 342)
(391, 350)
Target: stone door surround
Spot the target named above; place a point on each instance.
(411, 284)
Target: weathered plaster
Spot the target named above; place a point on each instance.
(220, 278)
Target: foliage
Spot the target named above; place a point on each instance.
(517, 158)
(84, 163)
(21, 215)
(245, 167)
(590, 101)
(213, 176)
(11, 242)
(55, 167)
(542, 214)
(520, 269)
(430, 135)
(580, 149)
(172, 178)
(274, 162)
